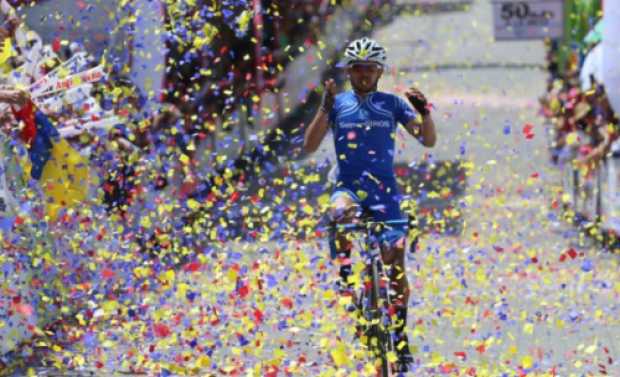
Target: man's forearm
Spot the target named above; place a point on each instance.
(316, 131)
(429, 137)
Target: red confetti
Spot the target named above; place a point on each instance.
(243, 291)
(527, 131)
(161, 330)
(447, 368)
(24, 309)
(192, 267)
(235, 196)
(460, 354)
(107, 273)
(258, 316)
(287, 302)
(56, 46)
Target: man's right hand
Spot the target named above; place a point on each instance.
(329, 94)
(316, 130)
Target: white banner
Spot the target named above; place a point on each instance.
(592, 65)
(73, 65)
(79, 98)
(611, 52)
(90, 76)
(528, 19)
(77, 127)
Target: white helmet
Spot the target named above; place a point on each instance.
(365, 50)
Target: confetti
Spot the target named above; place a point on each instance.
(186, 234)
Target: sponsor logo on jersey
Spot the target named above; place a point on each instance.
(366, 124)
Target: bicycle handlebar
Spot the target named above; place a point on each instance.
(365, 225)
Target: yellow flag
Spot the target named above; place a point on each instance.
(65, 178)
(6, 51)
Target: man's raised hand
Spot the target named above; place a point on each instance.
(417, 100)
(329, 94)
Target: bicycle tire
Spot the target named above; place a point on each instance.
(380, 325)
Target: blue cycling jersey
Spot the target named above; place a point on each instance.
(364, 132)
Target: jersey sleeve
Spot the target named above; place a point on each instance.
(403, 111)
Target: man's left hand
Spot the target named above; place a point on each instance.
(417, 100)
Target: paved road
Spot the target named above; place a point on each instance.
(514, 293)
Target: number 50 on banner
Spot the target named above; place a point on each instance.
(528, 19)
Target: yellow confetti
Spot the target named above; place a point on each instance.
(6, 51)
(340, 355)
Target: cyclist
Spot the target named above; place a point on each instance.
(363, 122)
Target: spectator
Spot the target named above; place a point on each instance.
(597, 142)
(9, 21)
(120, 175)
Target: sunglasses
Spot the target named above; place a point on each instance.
(365, 67)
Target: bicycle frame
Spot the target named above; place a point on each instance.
(372, 303)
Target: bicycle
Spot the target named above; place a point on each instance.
(373, 303)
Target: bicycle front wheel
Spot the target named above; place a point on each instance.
(380, 339)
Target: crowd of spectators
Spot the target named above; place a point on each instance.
(220, 56)
(584, 124)
(244, 54)
(583, 134)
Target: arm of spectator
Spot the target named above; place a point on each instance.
(598, 153)
(70, 131)
(4, 33)
(14, 97)
(11, 22)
